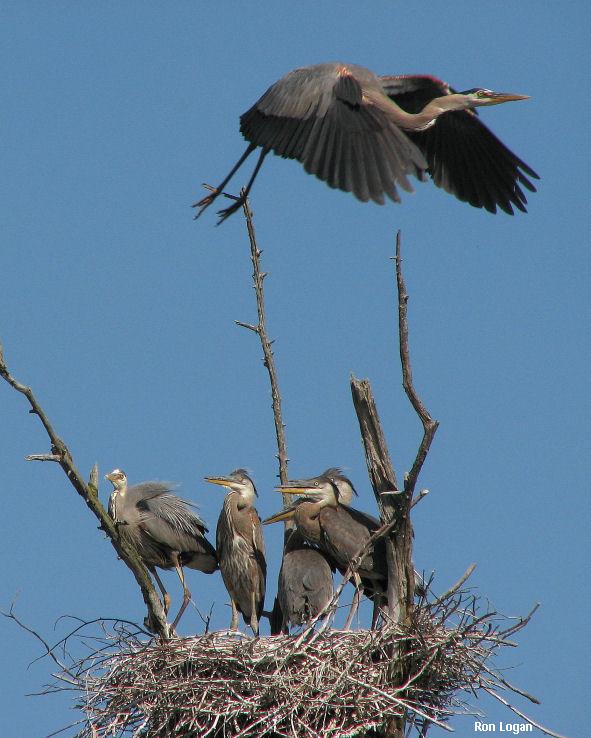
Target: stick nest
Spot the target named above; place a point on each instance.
(320, 683)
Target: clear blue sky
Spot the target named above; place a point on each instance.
(119, 310)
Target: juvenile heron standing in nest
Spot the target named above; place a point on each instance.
(241, 548)
(367, 134)
(305, 585)
(305, 581)
(339, 531)
(163, 529)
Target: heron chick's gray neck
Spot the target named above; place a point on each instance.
(245, 495)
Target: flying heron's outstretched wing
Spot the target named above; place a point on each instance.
(328, 117)
(465, 158)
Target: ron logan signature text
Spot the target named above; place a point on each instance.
(514, 728)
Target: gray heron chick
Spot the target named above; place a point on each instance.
(163, 529)
(241, 548)
(305, 584)
(337, 529)
(367, 135)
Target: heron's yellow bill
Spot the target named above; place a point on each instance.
(298, 490)
(221, 481)
(286, 514)
(501, 97)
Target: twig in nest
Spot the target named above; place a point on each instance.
(333, 683)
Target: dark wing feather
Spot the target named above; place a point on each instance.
(465, 158)
(305, 582)
(322, 117)
(259, 544)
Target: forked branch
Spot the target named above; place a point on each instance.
(429, 425)
(394, 504)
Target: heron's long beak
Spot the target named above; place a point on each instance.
(286, 514)
(221, 481)
(500, 97)
(109, 477)
(298, 488)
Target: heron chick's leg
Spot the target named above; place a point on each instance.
(234, 621)
(226, 212)
(165, 595)
(379, 605)
(208, 199)
(186, 594)
(356, 601)
(254, 621)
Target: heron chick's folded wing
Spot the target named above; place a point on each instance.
(170, 519)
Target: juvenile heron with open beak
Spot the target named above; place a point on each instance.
(163, 529)
(339, 531)
(241, 548)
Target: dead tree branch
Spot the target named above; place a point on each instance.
(89, 493)
(394, 504)
(258, 277)
(429, 425)
(260, 329)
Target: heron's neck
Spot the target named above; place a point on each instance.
(428, 115)
(244, 499)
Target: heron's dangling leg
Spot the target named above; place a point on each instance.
(208, 199)
(355, 603)
(165, 595)
(186, 594)
(234, 621)
(226, 212)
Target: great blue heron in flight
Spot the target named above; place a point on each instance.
(241, 548)
(163, 529)
(338, 530)
(367, 134)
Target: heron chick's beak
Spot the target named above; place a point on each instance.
(286, 514)
(298, 488)
(226, 482)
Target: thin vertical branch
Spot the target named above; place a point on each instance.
(429, 425)
(260, 329)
